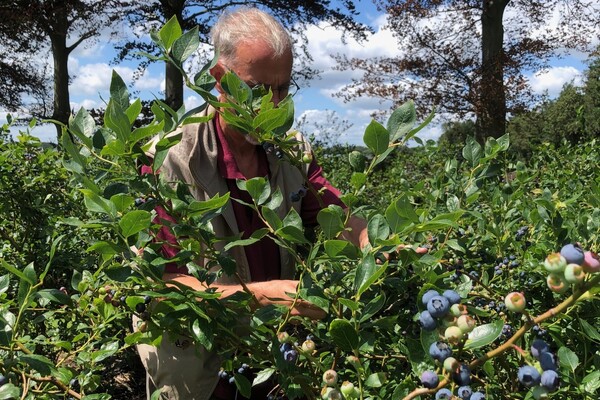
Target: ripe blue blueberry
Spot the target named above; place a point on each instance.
(462, 376)
(528, 376)
(290, 356)
(443, 394)
(427, 321)
(464, 392)
(548, 361)
(539, 346)
(572, 253)
(550, 380)
(438, 306)
(452, 296)
(429, 379)
(428, 295)
(440, 351)
(285, 347)
(478, 396)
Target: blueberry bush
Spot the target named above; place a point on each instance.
(502, 306)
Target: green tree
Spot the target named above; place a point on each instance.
(296, 15)
(592, 97)
(469, 57)
(30, 28)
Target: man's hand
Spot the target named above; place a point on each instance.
(280, 292)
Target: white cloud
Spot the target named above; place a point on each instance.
(553, 79)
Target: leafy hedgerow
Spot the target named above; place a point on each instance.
(486, 310)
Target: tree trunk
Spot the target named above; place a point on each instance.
(60, 54)
(491, 110)
(173, 77)
(173, 86)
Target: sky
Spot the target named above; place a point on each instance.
(90, 70)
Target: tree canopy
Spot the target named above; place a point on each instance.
(471, 58)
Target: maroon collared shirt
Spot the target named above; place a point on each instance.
(263, 256)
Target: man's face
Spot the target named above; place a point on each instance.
(256, 65)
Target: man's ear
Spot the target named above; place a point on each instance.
(217, 72)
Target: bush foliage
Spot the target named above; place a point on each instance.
(80, 258)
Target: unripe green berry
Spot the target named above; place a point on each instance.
(453, 334)
(308, 346)
(451, 364)
(458, 309)
(307, 157)
(347, 389)
(557, 283)
(555, 263)
(354, 361)
(540, 392)
(574, 273)
(466, 323)
(330, 377)
(283, 337)
(515, 301)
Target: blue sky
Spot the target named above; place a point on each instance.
(90, 70)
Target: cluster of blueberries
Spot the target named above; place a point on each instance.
(243, 370)
(447, 309)
(521, 232)
(506, 262)
(547, 380)
(569, 267)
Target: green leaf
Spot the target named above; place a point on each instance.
(358, 180)
(133, 111)
(9, 392)
(400, 215)
(263, 376)
(258, 188)
(589, 330)
(16, 272)
(591, 382)
(76, 161)
(170, 32)
(202, 333)
(106, 350)
(186, 45)
(376, 137)
(117, 121)
(243, 384)
(357, 160)
(341, 248)
(372, 307)
(402, 120)
(472, 151)
(331, 221)
(567, 358)
(134, 222)
(377, 228)
(484, 334)
(4, 282)
(118, 92)
(95, 203)
(269, 120)
(272, 218)
(343, 334)
(83, 126)
(367, 273)
(55, 296)
(41, 364)
(377, 379)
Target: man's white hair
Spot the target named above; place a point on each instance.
(248, 24)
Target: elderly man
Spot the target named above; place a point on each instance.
(210, 158)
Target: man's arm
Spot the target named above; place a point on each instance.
(266, 293)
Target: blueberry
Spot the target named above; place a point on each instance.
(462, 377)
(429, 379)
(147, 299)
(550, 380)
(548, 361)
(438, 306)
(232, 380)
(443, 394)
(285, 347)
(3, 380)
(528, 376)
(223, 374)
(440, 351)
(427, 321)
(539, 346)
(572, 253)
(140, 307)
(478, 396)
(452, 296)
(295, 197)
(428, 295)
(290, 356)
(464, 392)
